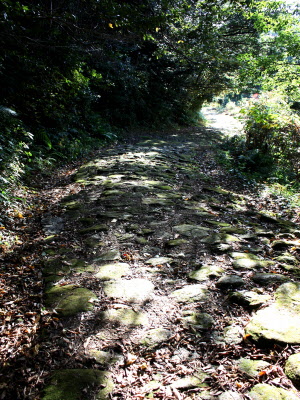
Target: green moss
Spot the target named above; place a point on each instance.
(252, 367)
(126, 317)
(95, 228)
(71, 384)
(69, 300)
(264, 391)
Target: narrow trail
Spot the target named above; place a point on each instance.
(225, 123)
(165, 278)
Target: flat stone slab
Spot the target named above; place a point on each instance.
(105, 357)
(94, 228)
(248, 263)
(190, 293)
(263, 391)
(292, 369)
(233, 334)
(238, 255)
(112, 271)
(69, 384)
(192, 230)
(58, 268)
(125, 316)
(176, 242)
(190, 382)
(287, 259)
(265, 279)
(134, 290)
(251, 368)
(283, 244)
(155, 336)
(159, 261)
(154, 201)
(230, 281)
(275, 323)
(109, 256)
(281, 320)
(249, 298)
(206, 272)
(69, 300)
(200, 321)
(230, 395)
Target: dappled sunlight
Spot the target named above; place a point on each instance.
(165, 235)
(227, 124)
(158, 261)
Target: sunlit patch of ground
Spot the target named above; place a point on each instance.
(222, 122)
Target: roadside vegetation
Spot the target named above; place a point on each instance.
(74, 75)
(267, 151)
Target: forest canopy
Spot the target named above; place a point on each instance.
(74, 69)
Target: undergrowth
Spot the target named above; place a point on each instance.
(268, 151)
(25, 153)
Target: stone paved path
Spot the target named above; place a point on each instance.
(166, 280)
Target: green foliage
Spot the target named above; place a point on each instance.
(271, 145)
(76, 72)
(274, 63)
(15, 151)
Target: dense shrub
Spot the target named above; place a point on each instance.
(270, 147)
(15, 143)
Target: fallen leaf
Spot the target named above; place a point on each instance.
(130, 359)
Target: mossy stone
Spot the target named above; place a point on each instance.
(212, 239)
(113, 192)
(230, 281)
(230, 395)
(189, 382)
(263, 391)
(159, 261)
(95, 228)
(155, 336)
(190, 293)
(292, 369)
(147, 231)
(69, 300)
(288, 295)
(55, 267)
(206, 272)
(251, 367)
(265, 279)
(275, 323)
(112, 271)
(283, 244)
(72, 205)
(237, 255)
(63, 267)
(109, 256)
(249, 298)
(189, 230)
(219, 223)
(234, 230)
(154, 201)
(176, 242)
(132, 290)
(198, 320)
(125, 316)
(105, 357)
(287, 259)
(233, 334)
(71, 384)
(227, 238)
(141, 240)
(248, 263)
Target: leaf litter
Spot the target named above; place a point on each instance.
(36, 341)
